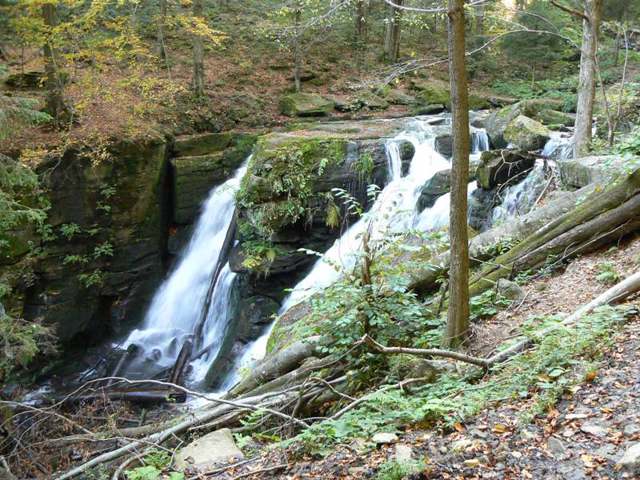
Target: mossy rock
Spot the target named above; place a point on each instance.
(477, 102)
(498, 121)
(498, 167)
(281, 180)
(305, 105)
(400, 97)
(371, 101)
(202, 144)
(554, 118)
(526, 134)
(434, 94)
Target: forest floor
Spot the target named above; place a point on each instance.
(583, 436)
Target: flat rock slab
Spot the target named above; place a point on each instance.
(593, 169)
(215, 448)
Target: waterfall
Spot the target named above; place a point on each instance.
(520, 198)
(392, 212)
(178, 304)
(558, 147)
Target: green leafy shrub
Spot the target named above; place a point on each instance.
(395, 470)
(607, 273)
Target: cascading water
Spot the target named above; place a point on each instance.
(394, 211)
(178, 304)
(520, 198)
(559, 146)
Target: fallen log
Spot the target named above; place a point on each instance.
(601, 218)
(483, 246)
(182, 362)
(124, 358)
(135, 396)
(279, 364)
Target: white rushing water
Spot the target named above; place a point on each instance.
(180, 300)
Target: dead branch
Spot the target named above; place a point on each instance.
(425, 352)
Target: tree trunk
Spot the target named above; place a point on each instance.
(55, 102)
(198, 52)
(360, 32)
(297, 50)
(162, 52)
(587, 82)
(392, 33)
(458, 312)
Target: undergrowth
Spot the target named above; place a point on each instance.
(541, 375)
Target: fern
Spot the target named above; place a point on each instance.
(19, 112)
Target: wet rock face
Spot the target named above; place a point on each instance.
(305, 105)
(503, 119)
(202, 162)
(498, 167)
(593, 169)
(89, 283)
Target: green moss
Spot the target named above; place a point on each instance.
(305, 105)
(280, 186)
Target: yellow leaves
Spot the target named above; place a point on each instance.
(590, 376)
(198, 26)
(499, 428)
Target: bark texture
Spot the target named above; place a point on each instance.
(458, 312)
(198, 52)
(587, 81)
(392, 33)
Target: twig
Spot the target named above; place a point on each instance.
(425, 352)
(261, 470)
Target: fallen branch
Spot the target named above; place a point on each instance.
(425, 352)
(616, 293)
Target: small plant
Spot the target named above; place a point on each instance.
(69, 230)
(607, 274)
(487, 304)
(397, 470)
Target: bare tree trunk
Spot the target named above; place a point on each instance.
(198, 52)
(392, 33)
(55, 102)
(360, 36)
(297, 49)
(162, 53)
(587, 83)
(458, 312)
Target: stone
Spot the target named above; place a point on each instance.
(254, 313)
(215, 448)
(305, 105)
(384, 438)
(554, 117)
(497, 122)
(403, 453)
(32, 79)
(440, 184)
(371, 101)
(630, 459)
(593, 429)
(429, 109)
(526, 134)
(498, 167)
(510, 290)
(629, 430)
(478, 102)
(431, 93)
(400, 97)
(201, 144)
(556, 447)
(576, 173)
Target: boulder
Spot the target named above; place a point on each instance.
(214, 449)
(430, 92)
(305, 105)
(510, 290)
(577, 173)
(371, 101)
(201, 144)
(400, 97)
(497, 122)
(429, 109)
(630, 460)
(498, 167)
(478, 102)
(440, 184)
(526, 134)
(32, 79)
(551, 117)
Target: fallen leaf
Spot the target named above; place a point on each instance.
(499, 428)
